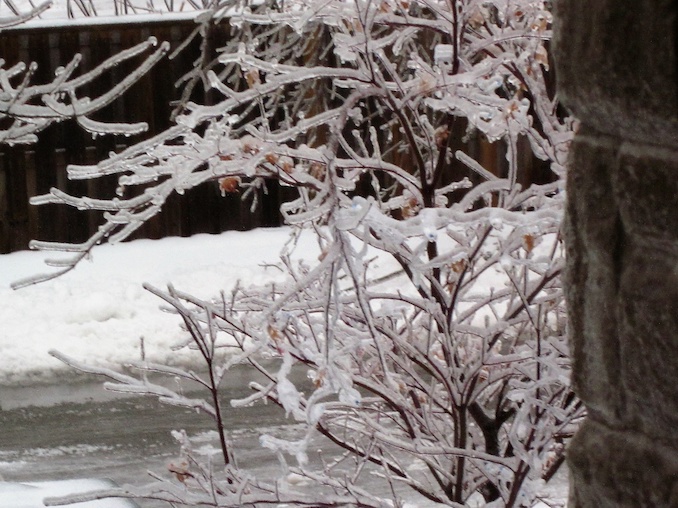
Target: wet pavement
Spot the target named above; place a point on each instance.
(78, 430)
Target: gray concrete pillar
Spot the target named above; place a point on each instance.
(617, 71)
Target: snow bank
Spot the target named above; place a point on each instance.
(99, 311)
(30, 495)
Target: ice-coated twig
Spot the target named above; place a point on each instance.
(21, 18)
(31, 108)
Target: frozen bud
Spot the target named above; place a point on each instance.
(272, 158)
(541, 24)
(274, 333)
(252, 77)
(179, 468)
(319, 378)
(542, 57)
(427, 83)
(512, 107)
(441, 134)
(286, 164)
(528, 243)
(458, 266)
(385, 7)
(229, 184)
(317, 170)
(410, 208)
(476, 19)
(250, 145)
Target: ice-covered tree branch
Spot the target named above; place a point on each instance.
(26, 109)
(446, 376)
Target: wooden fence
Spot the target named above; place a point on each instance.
(31, 170)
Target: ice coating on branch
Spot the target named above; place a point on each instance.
(428, 219)
(350, 396)
(430, 310)
(282, 446)
(288, 395)
(443, 54)
(22, 18)
(350, 217)
(99, 128)
(33, 107)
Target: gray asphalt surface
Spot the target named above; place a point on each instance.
(77, 430)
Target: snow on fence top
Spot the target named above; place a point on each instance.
(27, 14)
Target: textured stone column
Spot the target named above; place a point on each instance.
(616, 64)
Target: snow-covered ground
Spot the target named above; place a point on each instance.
(99, 311)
